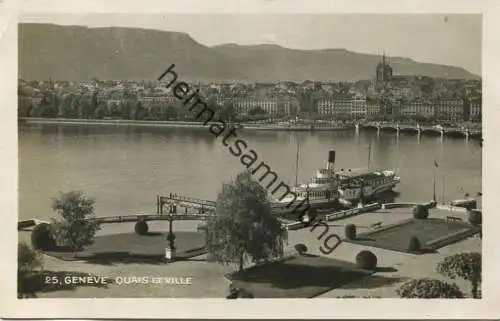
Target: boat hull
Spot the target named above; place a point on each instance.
(373, 191)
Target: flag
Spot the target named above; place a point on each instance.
(436, 164)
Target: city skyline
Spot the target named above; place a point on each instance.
(460, 33)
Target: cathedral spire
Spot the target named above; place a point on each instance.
(383, 58)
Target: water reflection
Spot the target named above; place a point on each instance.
(125, 167)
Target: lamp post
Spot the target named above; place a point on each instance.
(171, 235)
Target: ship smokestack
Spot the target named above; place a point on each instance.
(331, 160)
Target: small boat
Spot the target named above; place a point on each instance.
(466, 203)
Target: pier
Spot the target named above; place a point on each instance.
(463, 131)
(195, 209)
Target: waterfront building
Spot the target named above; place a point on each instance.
(450, 109)
(401, 92)
(420, 107)
(150, 101)
(358, 106)
(372, 108)
(335, 106)
(245, 105)
(351, 105)
(475, 109)
(273, 105)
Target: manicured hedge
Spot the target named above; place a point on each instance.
(420, 212)
(350, 231)
(475, 217)
(301, 248)
(141, 227)
(414, 244)
(42, 237)
(366, 260)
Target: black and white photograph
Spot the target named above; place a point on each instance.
(253, 156)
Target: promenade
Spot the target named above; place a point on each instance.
(209, 280)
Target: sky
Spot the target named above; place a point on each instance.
(433, 38)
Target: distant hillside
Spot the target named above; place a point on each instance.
(81, 53)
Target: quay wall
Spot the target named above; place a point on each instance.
(171, 123)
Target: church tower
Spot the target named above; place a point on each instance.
(383, 71)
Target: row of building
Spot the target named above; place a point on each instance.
(445, 109)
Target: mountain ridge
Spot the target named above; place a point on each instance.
(82, 53)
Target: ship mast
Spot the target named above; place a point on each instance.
(369, 153)
(297, 164)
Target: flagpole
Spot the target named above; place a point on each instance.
(442, 189)
(434, 180)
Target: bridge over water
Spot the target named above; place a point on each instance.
(463, 131)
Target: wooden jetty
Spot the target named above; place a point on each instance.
(205, 206)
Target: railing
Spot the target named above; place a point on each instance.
(471, 129)
(451, 208)
(397, 205)
(174, 198)
(148, 217)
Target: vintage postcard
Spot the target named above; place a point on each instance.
(197, 157)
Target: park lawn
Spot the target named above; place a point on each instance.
(303, 276)
(134, 248)
(433, 233)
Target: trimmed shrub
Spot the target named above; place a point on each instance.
(244, 294)
(233, 294)
(350, 231)
(429, 289)
(42, 237)
(475, 217)
(301, 248)
(237, 293)
(366, 260)
(141, 227)
(420, 212)
(414, 244)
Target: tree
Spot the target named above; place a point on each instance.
(94, 102)
(244, 227)
(466, 266)
(420, 212)
(114, 110)
(170, 112)
(47, 108)
(414, 244)
(42, 237)
(429, 289)
(101, 111)
(77, 225)
(139, 112)
(228, 112)
(25, 106)
(28, 261)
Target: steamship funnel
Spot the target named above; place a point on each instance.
(331, 160)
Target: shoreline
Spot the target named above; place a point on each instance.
(164, 123)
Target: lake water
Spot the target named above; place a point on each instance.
(124, 168)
